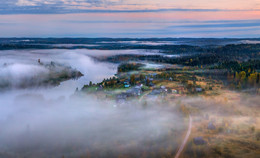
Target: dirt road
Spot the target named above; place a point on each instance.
(185, 140)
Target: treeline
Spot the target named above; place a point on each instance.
(111, 82)
(193, 57)
(22, 46)
(249, 66)
(115, 44)
(241, 75)
(242, 80)
(236, 49)
(191, 60)
(126, 67)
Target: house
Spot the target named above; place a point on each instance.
(155, 92)
(136, 91)
(211, 126)
(164, 89)
(199, 141)
(174, 91)
(198, 89)
(139, 86)
(126, 85)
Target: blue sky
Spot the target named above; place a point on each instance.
(130, 18)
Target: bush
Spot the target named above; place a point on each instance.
(257, 135)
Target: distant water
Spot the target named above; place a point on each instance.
(72, 43)
(93, 71)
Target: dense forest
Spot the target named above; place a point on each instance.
(207, 56)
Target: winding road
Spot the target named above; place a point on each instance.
(185, 139)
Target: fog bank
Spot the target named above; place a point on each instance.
(34, 126)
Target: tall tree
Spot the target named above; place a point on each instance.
(132, 79)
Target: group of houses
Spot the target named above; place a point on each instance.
(131, 92)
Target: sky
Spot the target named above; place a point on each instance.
(130, 18)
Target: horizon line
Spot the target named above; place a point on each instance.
(74, 11)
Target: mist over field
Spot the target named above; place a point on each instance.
(130, 100)
(80, 125)
(34, 126)
(54, 121)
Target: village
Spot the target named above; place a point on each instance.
(206, 100)
(153, 84)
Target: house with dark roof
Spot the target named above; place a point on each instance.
(211, 126)
(198, 89)
(199, 141)
(136, 91)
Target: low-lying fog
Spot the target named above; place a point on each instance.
(51, 122)
(193, 42)
(24, 64)
(32, 126)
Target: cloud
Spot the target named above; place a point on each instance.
(103, 6)
(227, 24)
(25, 3)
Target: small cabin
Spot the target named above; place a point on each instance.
(198, 89)
(211, 126)
(199, 141)
(126, 85)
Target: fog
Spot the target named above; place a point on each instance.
(32, 125)
(60, 121)
(56, 122)
(18, 74)
(18, 65)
